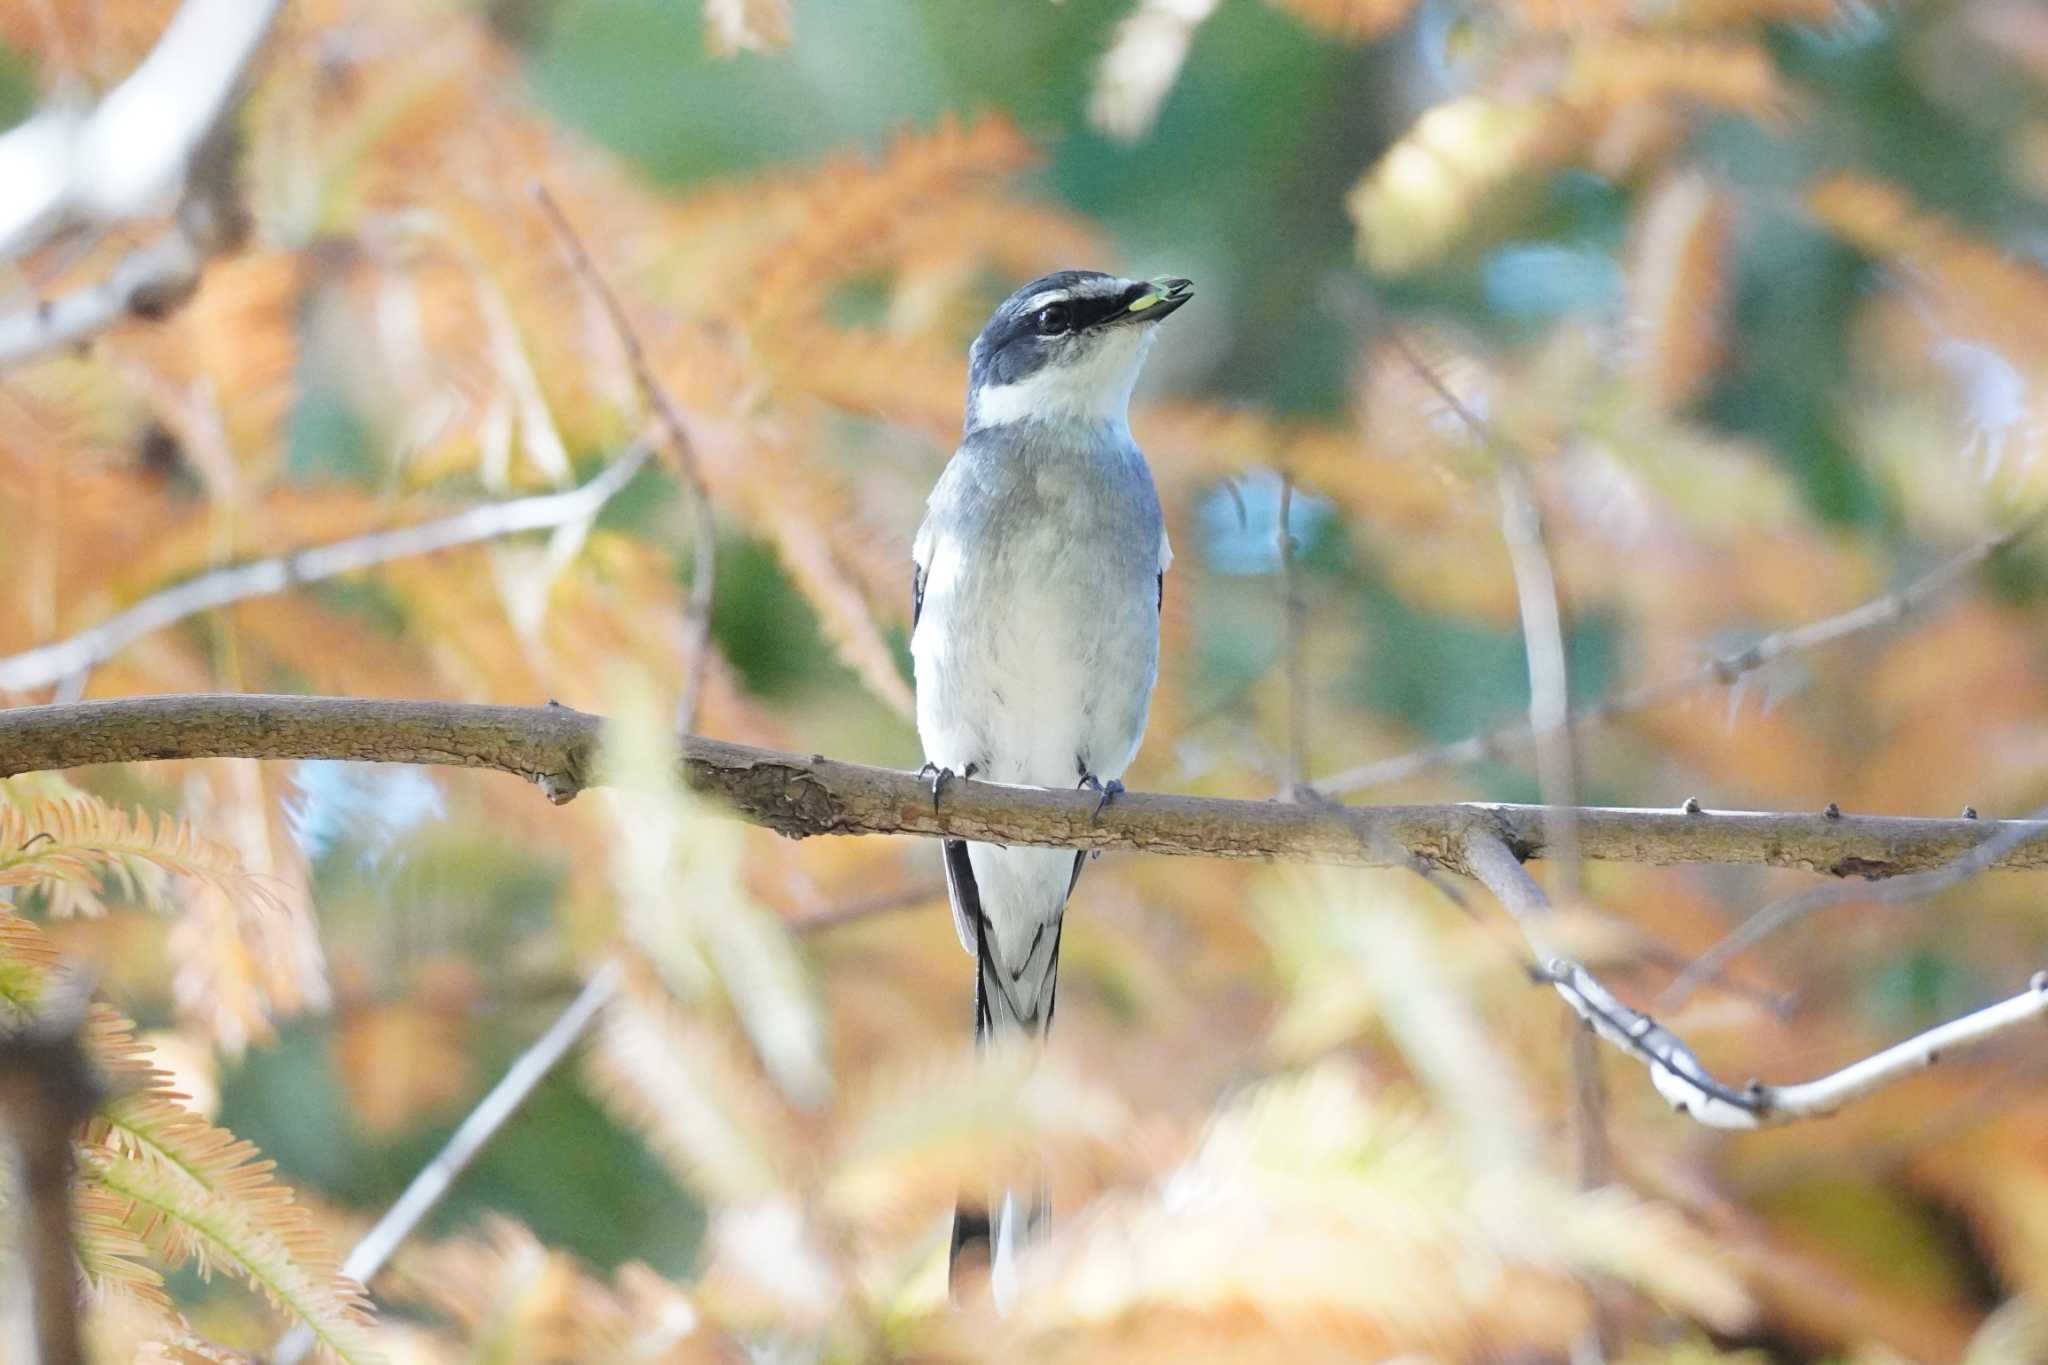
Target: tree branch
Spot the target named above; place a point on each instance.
(72, 656)
(799, 795)
(1677, 1072)
(1724, 669)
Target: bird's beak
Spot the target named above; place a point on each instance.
(1155, 299)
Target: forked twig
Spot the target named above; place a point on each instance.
(1710, 964)
(1724, 669)
(682, 450)
(72, 656)
(1677, 1071)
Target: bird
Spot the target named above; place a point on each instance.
(1038, 578)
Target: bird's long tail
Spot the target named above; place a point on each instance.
(1015, 987)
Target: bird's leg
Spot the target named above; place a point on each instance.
(939, 777)
(1106, 791)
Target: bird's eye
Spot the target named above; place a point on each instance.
(1054, 318)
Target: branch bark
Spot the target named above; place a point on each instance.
(799, 795)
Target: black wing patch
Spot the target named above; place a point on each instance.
(1162, 592)
(917, 592)
(967, 898)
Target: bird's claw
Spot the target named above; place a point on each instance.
(939, 777)
(1106, 792)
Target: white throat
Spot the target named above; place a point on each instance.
(1095, 387)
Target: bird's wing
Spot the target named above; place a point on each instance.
(1165, 563)
(921, 564)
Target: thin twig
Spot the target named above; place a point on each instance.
(1524, 533)
(1676, 1070)
(520, 1080)
(1790, 909)
(683, 451)
(538, 1061)
(535, 1064)
(805, 794)
(1725, 669)
(867, 907)
(1292, 612)
(438, 1176)
(1543, 643)
(71, 657)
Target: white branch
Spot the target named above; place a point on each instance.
(129, 157)
(72, 656)
(1676, 1071)
(152, 142)
(148, 282)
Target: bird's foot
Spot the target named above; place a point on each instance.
(939, 777)
(1106, 791)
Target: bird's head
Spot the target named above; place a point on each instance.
(1066, 348)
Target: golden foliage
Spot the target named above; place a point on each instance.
(1432, 187)
(1369, 1236)
(159, 1185)
(679, 1077)
(533, 1305)
(1324, 1130)
(1677, 283)
(77, 849)
(195, 1193)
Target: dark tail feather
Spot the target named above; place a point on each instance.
(1024, 1000)
(985, 1242)
(986, 1246)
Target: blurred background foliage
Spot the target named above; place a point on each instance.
(1755, 288)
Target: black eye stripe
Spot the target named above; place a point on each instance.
(1087, 310)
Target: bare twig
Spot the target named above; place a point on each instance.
(71, 657)
(868, 907)
(47, 1089)
(1543, 642)
(140, 149)
(1779, 913)
(438, 1176)
(1725, 669)
(505, 1099)
(1677, 1072)
(534, 1065)
(1542, 615)
(1292, 612)
(806, 794)
(682, 450)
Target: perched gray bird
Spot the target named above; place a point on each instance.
(1039, 576)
